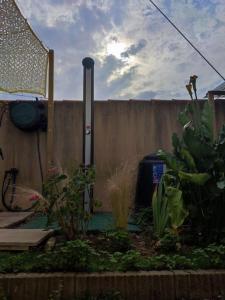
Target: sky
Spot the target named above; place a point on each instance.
(137, 53)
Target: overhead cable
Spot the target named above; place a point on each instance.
(183, 35)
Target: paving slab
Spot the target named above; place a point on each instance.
(22, 239)
(11, 219)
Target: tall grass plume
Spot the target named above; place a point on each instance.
(120, 189)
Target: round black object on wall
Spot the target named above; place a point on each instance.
(28, 116)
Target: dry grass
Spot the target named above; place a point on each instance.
(120, 188)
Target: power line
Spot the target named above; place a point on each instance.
(183, 35)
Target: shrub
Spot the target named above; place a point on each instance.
(63, 201)
(118, 241)
(75, 255)
(169, 242)
(197, 167)
(131, 260)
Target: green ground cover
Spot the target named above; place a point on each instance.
(80, 256)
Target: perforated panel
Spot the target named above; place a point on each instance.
(23, 58)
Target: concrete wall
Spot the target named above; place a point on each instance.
(125, 131)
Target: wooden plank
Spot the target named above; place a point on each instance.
(50, 134)
(11, 219)
(22, 239)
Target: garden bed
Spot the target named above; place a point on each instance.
(160, 285)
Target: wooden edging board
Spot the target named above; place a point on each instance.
(22, 239)
(160, 285)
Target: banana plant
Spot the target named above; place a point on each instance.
(197, 167)
(168, 208)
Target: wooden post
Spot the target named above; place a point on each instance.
(50, 139)
(212, 103)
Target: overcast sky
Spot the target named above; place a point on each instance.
(138, 55)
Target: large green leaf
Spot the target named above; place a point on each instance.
(183, 118)
(176, 210)
(198, 148)
(207, 121)
(159, 210)
(220, 145)
(170, 161)
(176, 143)
(189, 160)
(221, 184)
(196, 178)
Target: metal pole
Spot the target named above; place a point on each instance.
(88, 125)
(50, 137)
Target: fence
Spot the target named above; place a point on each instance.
(125, 131)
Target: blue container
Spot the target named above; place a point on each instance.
(150, 171)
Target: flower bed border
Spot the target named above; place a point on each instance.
(160, 285)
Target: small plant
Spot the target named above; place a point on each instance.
(131, 260)
(74, 255)
(119, 187)
(63, 201)
(169, 243)
(118, 241)
(144, 218)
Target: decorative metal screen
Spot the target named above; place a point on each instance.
(23, 58)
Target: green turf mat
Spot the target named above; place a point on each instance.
(99, 222)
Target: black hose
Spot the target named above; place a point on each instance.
(10, 175)
(39, 153)
(3, 111)
(39, 157)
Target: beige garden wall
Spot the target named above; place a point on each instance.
(125, 131)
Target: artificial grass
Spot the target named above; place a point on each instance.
(101, 221)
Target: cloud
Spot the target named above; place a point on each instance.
(134, 49)
(146, 95)
(155, 62)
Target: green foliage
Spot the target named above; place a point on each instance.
(176, 211)
(160, 210)
(144, 218)
(197, 166)
(131, 260)
(63, 201)
(169, 243)
(79, 256)
(118, 241)
(168, 208)
(75, 255)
